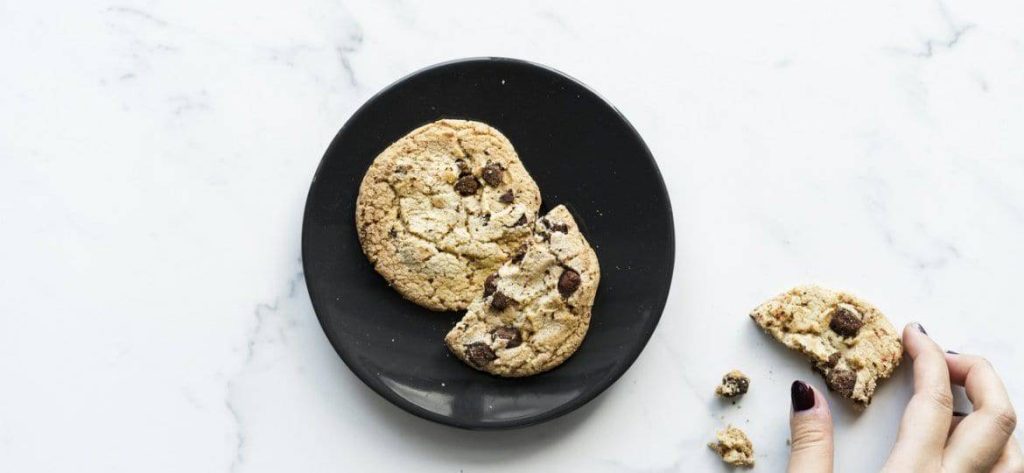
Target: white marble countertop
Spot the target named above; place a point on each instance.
(155, 158)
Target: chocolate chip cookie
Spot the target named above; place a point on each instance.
(533, 312)
(441, 208)
(848, 340)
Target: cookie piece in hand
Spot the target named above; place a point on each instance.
(734, 447)
(532, 314)
(734, 383)
(848, 340)
(441, 208)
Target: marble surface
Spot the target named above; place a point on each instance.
(155, 157)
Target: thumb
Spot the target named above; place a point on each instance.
(810, 425)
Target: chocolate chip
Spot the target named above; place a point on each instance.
(492, 174)
(568, 282)
(393, 233)
(845, 322)
(490, 284)
(520, 222)
(742, 385)
(842, 381)
(560, 227)
(833, 359)
(467, 185)
(463, 168)
(507, 197)
(479, 354)
(825, 367)
(518, 257)
(500, 301)
(510, 335)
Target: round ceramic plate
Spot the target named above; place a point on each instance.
(582, 153)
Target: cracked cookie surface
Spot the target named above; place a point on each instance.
(533, 313)
(441, 208)
(848, 340)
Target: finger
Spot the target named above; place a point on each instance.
(810, 426)
(957, 417)
(1012, 460)
(979, 440)
(926, 420)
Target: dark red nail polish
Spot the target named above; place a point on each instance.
(920, 328)
(802, 396)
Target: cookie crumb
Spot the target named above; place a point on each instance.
(734, 383)
(734, 447)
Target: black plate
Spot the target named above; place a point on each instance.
(582, 153)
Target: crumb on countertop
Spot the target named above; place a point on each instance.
(734, 383)
(734, 447)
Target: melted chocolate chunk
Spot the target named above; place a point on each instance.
(520, 254)
(833, 359)
(492, 174)
(467, 185)
(507, 197)
(490, 284)
(510, 335)
(500, 301)
(479, 354)
(568, 282)
(842, 382)
(845, 322)
(560, 227)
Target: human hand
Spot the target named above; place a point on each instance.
(932, 438)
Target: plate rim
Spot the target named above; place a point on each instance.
(561, 410)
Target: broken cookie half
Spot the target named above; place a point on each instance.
(848, 340)
(533, 313)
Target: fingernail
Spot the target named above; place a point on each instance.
(802, 395)
(920, 327)
(951, 352)
(959, 414)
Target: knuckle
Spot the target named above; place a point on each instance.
(941, 398)
(1006, 420)
(811, 438)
